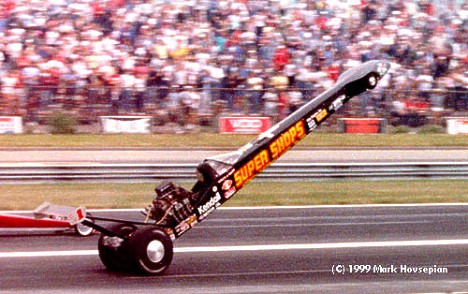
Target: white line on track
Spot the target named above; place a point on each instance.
(346, 206)
(272, 247)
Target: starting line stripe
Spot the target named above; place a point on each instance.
(273, 247)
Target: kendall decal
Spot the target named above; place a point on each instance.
(205, 207)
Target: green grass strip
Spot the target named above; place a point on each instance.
(220, 140)
(257, 193)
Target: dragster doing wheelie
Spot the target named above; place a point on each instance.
(147, 246)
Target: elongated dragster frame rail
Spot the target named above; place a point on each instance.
(147, 246)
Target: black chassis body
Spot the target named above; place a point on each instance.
(147, 246)
(224, 175)
(228, 173)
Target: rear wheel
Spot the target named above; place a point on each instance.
(113, 251)
(152, 251)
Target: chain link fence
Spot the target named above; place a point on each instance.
(201, 106)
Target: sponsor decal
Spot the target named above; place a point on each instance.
(226, 176)
(170, 233)
(311, 123)
(226, 185)
(76, 216)
(191, 219)
(251, 168)
(228, 194)
(247, 125)
(211, 203)
(457, 126)
(287, 140)
(320, 115)
(182, 228)
(335, 105)
(260, 161)
(203, 216)
(11, 125)
(362, 126)
(126, 124)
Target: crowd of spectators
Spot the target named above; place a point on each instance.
(181, 59)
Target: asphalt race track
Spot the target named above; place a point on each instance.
(34, 156)
(345, 249)
(326, 249)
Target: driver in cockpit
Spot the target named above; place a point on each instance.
(172, 203)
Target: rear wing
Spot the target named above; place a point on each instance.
(67, 213)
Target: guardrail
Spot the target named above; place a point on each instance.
(278, 171)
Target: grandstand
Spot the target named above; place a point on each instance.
(186, 62)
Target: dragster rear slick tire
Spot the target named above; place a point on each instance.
(114, 251)
(152, 251)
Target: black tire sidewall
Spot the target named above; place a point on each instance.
(138, 244)
(116, 259)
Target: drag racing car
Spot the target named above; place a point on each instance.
(146, 247)
(55, 218)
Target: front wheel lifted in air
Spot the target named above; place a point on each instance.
(372, 80)
(147, 247)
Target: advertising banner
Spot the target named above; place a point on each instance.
(243, 124)
(11, 125)
(362, 125)
(457, 125)
(126, 124)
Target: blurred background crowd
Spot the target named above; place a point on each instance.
(180, 61)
